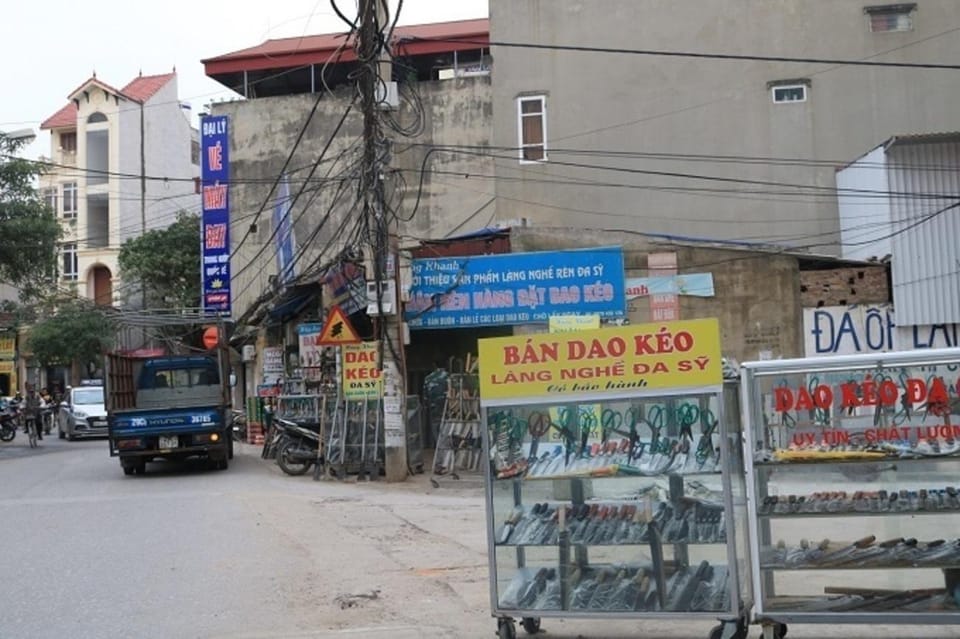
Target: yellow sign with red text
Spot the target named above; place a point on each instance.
(680, 354)
(361, 371)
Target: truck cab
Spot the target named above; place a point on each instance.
(168, 407)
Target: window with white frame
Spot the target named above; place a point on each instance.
(784, 93)
(68, 261)
(70, 200)
(532, 128)
(888, 18)
(51, 196)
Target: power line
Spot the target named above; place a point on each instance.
(684, 175)
(316, 164)
(293, 150)
(688, 54)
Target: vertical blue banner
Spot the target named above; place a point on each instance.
(215, 218)
(283, 230)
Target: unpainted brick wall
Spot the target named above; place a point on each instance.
(845, 286)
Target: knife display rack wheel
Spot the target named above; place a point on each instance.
(625, 506)
(854, 497)
(459, 444)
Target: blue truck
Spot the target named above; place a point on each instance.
(169, 407)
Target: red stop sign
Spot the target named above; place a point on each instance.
(211, 337)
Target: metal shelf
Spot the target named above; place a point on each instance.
(848, 513)
(646, 542)
(652, 475)
(877, 460)
(956, 564)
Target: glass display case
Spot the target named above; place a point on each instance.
(624, 504)
(853, 466)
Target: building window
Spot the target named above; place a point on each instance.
(96, 117)
(532, 128)
(68, 142)
(195, 152)
(890, 17)
(52, 198)
(70, 200)
(68, 261)
(784, 93)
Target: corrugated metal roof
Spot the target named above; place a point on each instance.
(923, 138)
(926, 252)
(317, 49)
(329, 42)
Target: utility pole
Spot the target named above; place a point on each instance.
(381, 230)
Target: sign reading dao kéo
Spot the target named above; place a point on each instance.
(361, 371)
(682, 354)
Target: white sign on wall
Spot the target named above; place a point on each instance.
(869, 328)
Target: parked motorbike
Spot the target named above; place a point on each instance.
(298, 448)
(8, 425)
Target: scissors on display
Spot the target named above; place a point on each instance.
(565, 417)
(538, 423)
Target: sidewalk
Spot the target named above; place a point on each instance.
(410, 560)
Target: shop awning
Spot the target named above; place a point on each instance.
(293, 301)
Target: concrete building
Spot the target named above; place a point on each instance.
(914, 226)
(712, 148)
(122, 162)
(443, 95)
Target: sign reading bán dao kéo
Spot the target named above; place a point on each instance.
(682, 354)
(361, 371)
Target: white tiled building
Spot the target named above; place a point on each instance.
(122, 161)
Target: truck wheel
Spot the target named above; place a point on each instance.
(128, 470)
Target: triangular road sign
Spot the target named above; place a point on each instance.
(337, 330)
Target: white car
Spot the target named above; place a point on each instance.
(82, 413)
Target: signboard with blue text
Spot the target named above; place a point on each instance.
(215, 217)
(515, 288)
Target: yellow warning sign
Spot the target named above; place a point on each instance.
(337, 330)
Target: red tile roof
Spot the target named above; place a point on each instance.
(94, 80)
(140, 89)
(67, 116)
(284, 52)
(144, 87)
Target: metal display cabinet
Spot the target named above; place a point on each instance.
(853, 473)
(628, 506)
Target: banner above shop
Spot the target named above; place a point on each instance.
(515, 288)
(215, 214)
(641, 357)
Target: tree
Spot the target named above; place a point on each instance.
(166, 263)
(29, 230)
(73, 330)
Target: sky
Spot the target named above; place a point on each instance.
(51, 47)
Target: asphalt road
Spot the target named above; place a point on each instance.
(249, 553)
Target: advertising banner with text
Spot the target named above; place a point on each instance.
(215, 214)
(361, 371)
(515, 288)
(671, 355)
